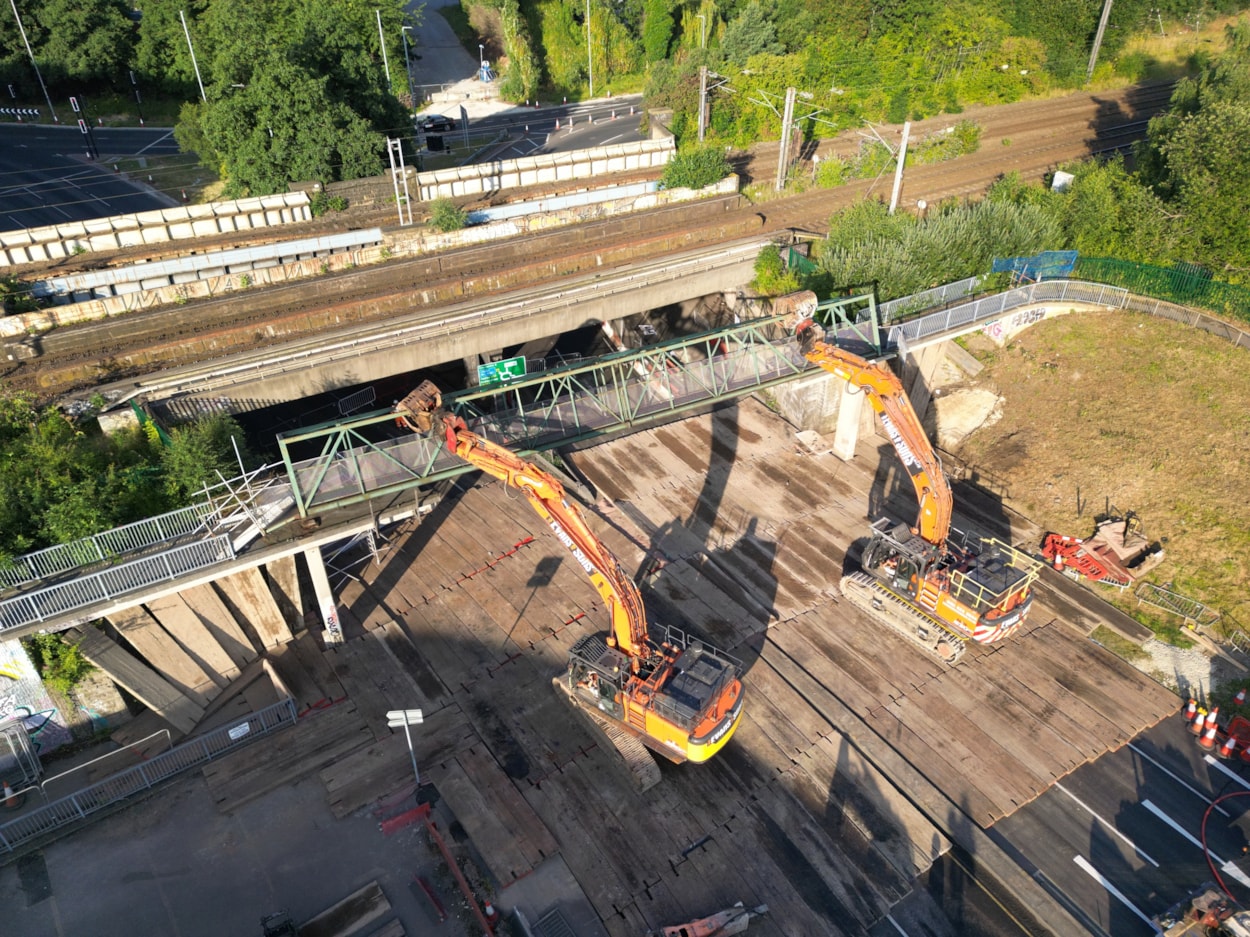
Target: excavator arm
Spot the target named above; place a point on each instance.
(421, 411)
(901, 424)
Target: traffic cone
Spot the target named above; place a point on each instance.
(1191, 709)
(1240, 698)
(1199, 722)
(1212, 717)
(492, 916)
(10, 799)
(614, 113)
(1207, 739)
(1227, 749)
(184, 195)
(1245, 754)
(557, 123)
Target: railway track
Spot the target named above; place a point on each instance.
(1031, 138)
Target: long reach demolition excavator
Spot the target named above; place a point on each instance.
(680, 697)
(936, 589)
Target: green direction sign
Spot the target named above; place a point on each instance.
(497, 372)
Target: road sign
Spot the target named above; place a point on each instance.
(73, 102)
(496, 372)
(82, 125)
(404, 717)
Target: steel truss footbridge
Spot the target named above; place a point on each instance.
(351, 472)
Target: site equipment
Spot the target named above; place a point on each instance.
(1118, 553)
(677, 695)
(733, 920)
(936, 587)
(1206, 912)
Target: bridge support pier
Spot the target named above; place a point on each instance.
(333, 633)
(918, 370)
(850, 415)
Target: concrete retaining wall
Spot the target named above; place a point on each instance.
(53, 242)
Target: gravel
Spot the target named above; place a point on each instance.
(1189, 671)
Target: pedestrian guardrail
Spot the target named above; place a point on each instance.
(42, 604)
(105, 546)
(142, 777)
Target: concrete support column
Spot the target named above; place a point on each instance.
(333, 633)
(918, 372)
(470, 370)
(810, 402)
(846, 433)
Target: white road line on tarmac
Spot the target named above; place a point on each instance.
(890, 918)
(1232, 774)
(1084, 806)
(1227, 867)
(159, 139)
(1111, 889)
(1179, 780)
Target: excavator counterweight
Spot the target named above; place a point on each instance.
(679, 697)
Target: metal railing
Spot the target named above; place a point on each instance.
(105, 546)
(42, 604)
(1182, 606)
(969, 315)
(897, 309)
(97, 797)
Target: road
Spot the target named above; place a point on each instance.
(1120, 838)
(47, 178)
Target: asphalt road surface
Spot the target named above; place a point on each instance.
(47, 178)
(1120, 839)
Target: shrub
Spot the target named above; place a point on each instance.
(445, 215)
(321, 203)
(60, 665)
(772, 278)
(695, 168)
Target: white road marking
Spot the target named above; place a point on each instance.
(1084, 806)
(159, 139)
(1179, 780)
(1111, 889)
(1227, 867)
(610, 139)
(1232, 774)
(890, 918)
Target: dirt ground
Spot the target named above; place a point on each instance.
(1085, 411)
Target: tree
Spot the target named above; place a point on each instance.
(695, 168)
(657, 29)
(750, 33)
(201, 452)
(446, 215)
(86, 42)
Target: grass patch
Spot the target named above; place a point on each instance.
(1127, 410)
(1119, 645)
(174, 175)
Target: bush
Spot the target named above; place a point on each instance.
(445, 215)
(321, 203)
(60, 665)
(695, 168)
(772, 277)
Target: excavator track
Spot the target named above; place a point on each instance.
(921, 630)
(629, 749)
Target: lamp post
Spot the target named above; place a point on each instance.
(481, 56)
(590, 61)
(403, 31)
(407, 717)
(34, 64)
(194, 64)
(382, 42)
(702, 30)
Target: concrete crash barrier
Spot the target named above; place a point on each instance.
(54, 242)
(480, 178)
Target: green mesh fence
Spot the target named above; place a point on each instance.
(1184, 284)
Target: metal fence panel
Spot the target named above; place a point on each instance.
(63, 597)
(81, 804)
(141, 535)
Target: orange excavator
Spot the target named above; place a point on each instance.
(639, 683)
(936, 589)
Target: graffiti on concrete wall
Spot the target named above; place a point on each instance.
(1001, 329)
(23, 696)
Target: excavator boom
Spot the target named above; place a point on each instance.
(665, 690)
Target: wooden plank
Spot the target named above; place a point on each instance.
(144, 727)
(146, 685)
(248, 597)
(317, 740)
(423, 625)
(190, 631)
(309, 652)
(165, 655)
(295, 677)
(505, 851)
(359, 909)
(352, 664)
(427, 689)
(284, 586)
(207, 606)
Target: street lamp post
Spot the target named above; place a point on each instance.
(702, 30)
(481, 56)
(34, 64)
(407, 717)
(403, 31)
(382, 42)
